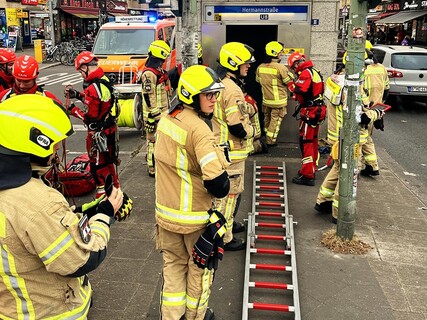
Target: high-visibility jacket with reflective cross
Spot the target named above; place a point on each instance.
(186, 156)
(273, 78)
(231, 110)
(40, 247)
(375, 82)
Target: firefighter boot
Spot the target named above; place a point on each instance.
(303, 180)
(369, 171)
(209, 315)
(238, 227)
(235, 244)
(324, 207)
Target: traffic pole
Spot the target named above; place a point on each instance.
(188, 32)
(352, 108)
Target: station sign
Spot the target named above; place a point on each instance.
(282, 13)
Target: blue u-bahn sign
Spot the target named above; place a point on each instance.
(257, 12)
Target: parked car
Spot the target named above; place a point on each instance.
(407, 70)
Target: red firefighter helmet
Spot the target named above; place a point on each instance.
(84, 57)
(296, 56)
(7, 55)
(25, 68)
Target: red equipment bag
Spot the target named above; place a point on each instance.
(76, 180)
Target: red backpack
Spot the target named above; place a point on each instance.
(75, 181)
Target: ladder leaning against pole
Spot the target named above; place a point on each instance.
(271, 242)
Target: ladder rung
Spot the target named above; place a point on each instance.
(269, 204)
(271, 285)
(271, 307)
(269, 237)
(272, 267)
(264, 187)
(269, 180)
(270, 195)
(269, 214)
(270, 225)
(269, 167)
(270, 251)
(269, 173)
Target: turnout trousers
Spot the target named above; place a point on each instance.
(227, 205)
(308, 145)
(272, 120)
(328, 187)
(186, 287)
(151, 142)
(368, 151)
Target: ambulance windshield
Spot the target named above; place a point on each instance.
(123, 41)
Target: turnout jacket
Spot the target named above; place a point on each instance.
(231, 115)
(375, 82)
(40, 247)
(156, 90)
(97, 97)
(186, 157)
(273, 78)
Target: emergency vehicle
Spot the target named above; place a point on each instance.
(122, 46)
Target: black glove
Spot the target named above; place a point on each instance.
(202, 250)
(106, 207)
(379, 124)
(150, 125)
(365, 120)
(216, 254)
(73, 94)
(385, 94)
(204, 247)
(125, 210)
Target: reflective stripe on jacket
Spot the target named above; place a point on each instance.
(273, 78)
(40, 245)
(185, 156)
(375, 82)
(231, 109)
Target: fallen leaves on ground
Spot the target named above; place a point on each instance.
(354, 246)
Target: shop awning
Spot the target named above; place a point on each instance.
(402, 17)
(82, 13)
(380, 16)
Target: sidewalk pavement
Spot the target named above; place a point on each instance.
(390, 282)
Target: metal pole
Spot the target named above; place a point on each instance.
(190, 32)
(349, 137)
(52, 23)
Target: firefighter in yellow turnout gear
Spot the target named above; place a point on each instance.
(46, 249)
(190, 172)
(376, 85)
(156, 91)
(232, 126)
(273, 77)
(335, 96)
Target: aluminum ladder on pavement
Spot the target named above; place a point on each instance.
(271, 243)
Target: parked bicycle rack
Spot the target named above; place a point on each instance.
(270, 212)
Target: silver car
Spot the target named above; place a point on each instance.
(407, 70)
